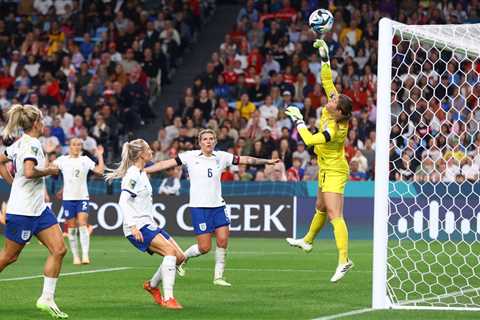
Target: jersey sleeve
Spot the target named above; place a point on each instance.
(31, 151)
(184, 157)
(328, 134)
(10, 152)
(327, 81)
(130, 182)
(227, 159)
(89, 164)
(59, 162)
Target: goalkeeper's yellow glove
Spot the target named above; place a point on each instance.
(295, 114)
(322, 47)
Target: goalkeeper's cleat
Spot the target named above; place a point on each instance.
(342, 270)
(85, 260)
(300, 243)
(172, 303)
(221, 282)
(180, 270)
(77, 261)
(49, 306)
(155, 292)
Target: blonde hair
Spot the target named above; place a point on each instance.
(204, 132)
(20, 117)
(131, 151)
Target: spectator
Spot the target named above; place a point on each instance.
(171, 184)
(302, 154)
(245, 107)
(311, 170)
(356, 175)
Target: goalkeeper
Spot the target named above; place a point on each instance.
(334, 171)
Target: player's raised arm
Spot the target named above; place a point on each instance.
(326, 71)
(256, 161)
(99, 169)
(163, 165)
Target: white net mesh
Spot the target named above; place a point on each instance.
(433, 256)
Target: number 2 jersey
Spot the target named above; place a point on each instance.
(27, 196)
(75, 173)
(205, 173)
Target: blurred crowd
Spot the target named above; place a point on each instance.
(95, 68)
(267, 62)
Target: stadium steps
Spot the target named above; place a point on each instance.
(194, 62)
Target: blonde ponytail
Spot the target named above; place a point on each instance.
(20, 117)
(131, 151)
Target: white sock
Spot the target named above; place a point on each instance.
(49, 285)
(193, 252)
(157, 277)
(168, 275)
(220, 254)
(84, 240)
(72, 238)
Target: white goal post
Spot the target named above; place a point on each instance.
(426, 252)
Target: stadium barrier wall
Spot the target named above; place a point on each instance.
(284, 211)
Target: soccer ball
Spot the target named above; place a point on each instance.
(321, 21)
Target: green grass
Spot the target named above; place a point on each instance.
(270, 281)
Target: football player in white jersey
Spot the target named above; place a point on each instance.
(27, 213)
(139, 227)
(207, 206)
(75, 168)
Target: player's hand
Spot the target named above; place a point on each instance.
(53, 170)
(273, 161)
(294, 114)
(137, 234)
(59, 194)
(100, 151)
(322, 47)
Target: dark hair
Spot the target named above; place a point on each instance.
(345, 105)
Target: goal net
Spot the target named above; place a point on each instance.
(427, 230)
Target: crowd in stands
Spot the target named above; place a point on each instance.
(94, 68)
(267, 62)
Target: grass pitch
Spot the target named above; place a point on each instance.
(270, 281)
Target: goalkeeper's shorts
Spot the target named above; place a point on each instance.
(332, 181)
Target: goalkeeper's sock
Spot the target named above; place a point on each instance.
(192, 252)
(318, 221)
(220, 254)
(341, 238)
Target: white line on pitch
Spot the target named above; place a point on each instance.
(345, 314)
(68, 274)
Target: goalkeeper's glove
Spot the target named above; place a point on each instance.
(295, 114)
(322, 47)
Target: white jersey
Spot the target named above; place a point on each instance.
(27, 196)
(205, 173)
(138, 209)
(75, 173)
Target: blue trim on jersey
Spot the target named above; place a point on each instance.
(20, 229)
(131, 193)
(31, 159)
(207, 220)
(149, 233)
(71, 208)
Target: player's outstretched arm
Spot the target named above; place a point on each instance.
(307, 137)
(31, 171)
(4, 170)
(162, 165)
(100, 167)
(251, 161)
(326, 71)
